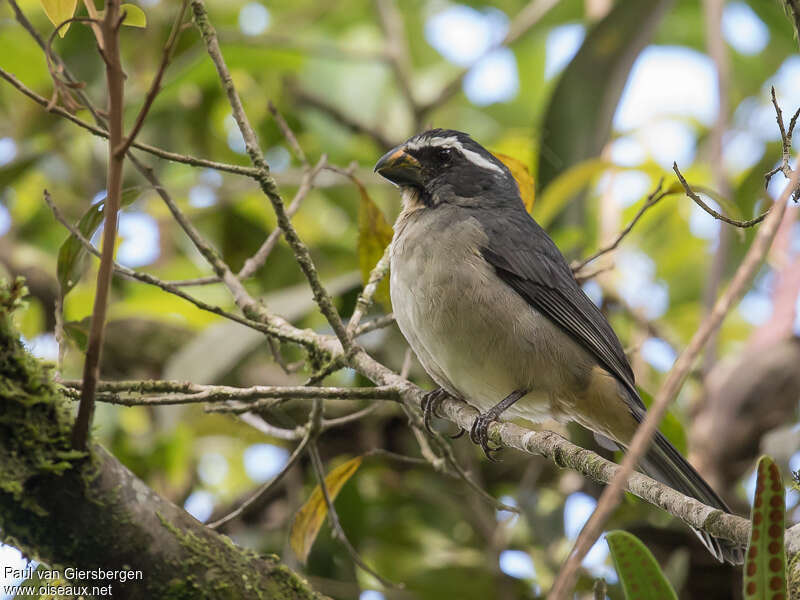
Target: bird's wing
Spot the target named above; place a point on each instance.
(525, 257)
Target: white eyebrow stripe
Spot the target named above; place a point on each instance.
(452, 142)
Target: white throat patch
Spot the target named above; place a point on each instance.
(452, 142)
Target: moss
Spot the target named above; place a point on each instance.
(34, 423)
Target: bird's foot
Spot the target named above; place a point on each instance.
(479, 433)
(430, 404)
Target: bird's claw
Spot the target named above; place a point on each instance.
(479, 433)
(430, 404)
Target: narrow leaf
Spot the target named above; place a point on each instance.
(374, 234)
(765, 565)
(639, 573)
(524, 179)
(72, 255)
(59, 11)
(308, 520)
(134, 16)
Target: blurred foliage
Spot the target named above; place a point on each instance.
(410, 523)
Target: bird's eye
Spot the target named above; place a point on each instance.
(444, 155)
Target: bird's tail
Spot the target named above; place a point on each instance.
(664, 463)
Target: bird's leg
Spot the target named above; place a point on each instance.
(479, 434)
(430, 403)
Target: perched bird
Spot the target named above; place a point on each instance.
(491, 308)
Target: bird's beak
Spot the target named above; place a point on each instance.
(399, 167)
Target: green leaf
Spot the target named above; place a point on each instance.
(72, 256)
(78, 332)
(134, 16)
(59, 11)
(639, 573)
(309, 518)
(577, 123)
(765, 564)
(374, 234)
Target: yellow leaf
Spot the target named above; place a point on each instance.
(524, 179)
(374, 234)
(134, 16)
(59, 11)
(308, 520)
(565, 187)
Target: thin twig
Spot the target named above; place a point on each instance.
(155, 87)
(266, 488)
(333, 518)
(693, 195)
(265, 180)
(377, 323)
(288, 134)
(786, 144)
(255, 262)
(100, 132)
(364, 300)
(644, 434)
(652, 199)
(152, 280)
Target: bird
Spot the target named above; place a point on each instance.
(491, 309)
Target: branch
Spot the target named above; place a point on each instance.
(167, 287)
(265, 180)
(333, 517)
(87, 510)
(644, 434)
(115, 78)
(786, 144)
(652, 199)
(136, 393)
(693, 195)
(364, 300)
(155, 87)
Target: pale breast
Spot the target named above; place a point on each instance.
(474, 335)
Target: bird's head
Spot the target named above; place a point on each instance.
(447, 166)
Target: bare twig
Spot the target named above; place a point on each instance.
(364, 301)
(786, 144)
(644, 434)
(267, 487)
(155, 151)
(265, 180)
(283, 335)
(155, 87)
(652, 199)
(255, 262)
(115, 79)
(377, 323)
(333, 517)
(693, 195)
(288, 134)
(182, 392)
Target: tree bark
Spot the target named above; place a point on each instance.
(88, 511)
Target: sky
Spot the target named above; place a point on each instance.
(654, 119)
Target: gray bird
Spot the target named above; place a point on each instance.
(491, 309)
